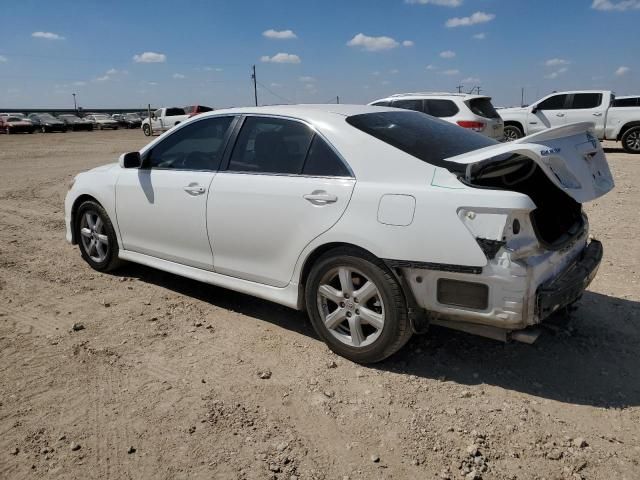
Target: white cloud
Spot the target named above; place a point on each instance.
(213, 69)
(622, 71)
(307, 79)
(408, 43)
(480, 36)
(150, 57)
(448, 54)
(620, 6)
(431, 67)
(281, 58)
(152, 84)
(470, 80)
(441, 3)
(79, 84)
(372, 44)
(385, 82)
(450, 72)
(478, 17)
(279, 34)
(275, 85)
(112, 71)
(557, 73)
(3, 59)
(104, 78)
(47, 35)
(178, 76)
(554, 62)
(395, 71)
(376, 73)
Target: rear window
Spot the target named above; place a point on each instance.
(174, 111)
(429, 139)
(440, 108)
(482, 107)
(627, 102)
(586, 100)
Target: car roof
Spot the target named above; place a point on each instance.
(422, 95)
(309, 112)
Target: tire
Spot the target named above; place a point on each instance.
(43, 129)
(8, 131)
(352, 336)
(146, 129)
(96, 237)
(631, 140)
(511, 133)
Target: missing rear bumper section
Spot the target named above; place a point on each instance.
(507, 299)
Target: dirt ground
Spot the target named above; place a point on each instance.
(164, 381)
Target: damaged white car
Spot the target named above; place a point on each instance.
(376, 221)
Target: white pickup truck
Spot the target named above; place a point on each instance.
(613, 120)
(163, 119)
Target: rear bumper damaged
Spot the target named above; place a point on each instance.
(507, 295)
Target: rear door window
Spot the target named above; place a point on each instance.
(440, 108)
(322, 161)
(271, 145)
(171, 112)
(408, 104)
(585, 100)
(482, 107)
(627, 102)
(556, 102)
(428, 139)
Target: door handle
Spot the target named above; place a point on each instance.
(559, 114)
(194, 189)
(320, 197)
(597, 114)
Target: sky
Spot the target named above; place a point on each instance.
(172, 53)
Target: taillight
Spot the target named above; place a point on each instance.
(475, 126)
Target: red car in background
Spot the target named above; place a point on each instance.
(193, 110)
(11, 124)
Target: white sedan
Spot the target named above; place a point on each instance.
(376, 221)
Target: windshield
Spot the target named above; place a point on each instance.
(482, 107)
(425, 137)
(47, 116)
(14, 119)
(133, 116)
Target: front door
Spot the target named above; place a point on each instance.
(550, 112)
(588, 107)
(161, 208)
(283, 187)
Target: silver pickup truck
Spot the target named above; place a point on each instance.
(614, 118)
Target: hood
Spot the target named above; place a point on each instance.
(570, 155)
(103, 168)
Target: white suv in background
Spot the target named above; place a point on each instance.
(474, 112)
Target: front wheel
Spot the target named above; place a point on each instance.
(631, 140)
(146, 129)
(96, 237)
(511, 133)
(44, 129)
(357, 306)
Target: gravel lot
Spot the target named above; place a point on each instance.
(174, 379)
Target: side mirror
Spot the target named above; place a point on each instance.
(130, 160)
(534, 109)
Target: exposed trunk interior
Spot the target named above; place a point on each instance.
(557, 219)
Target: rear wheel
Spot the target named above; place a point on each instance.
(96, 237)
(631, 140)
(511, 133)
(146, 129)
(357, 306)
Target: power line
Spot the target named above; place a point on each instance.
(274, 93)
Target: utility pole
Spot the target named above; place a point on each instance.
(75, 105)
(478, 88)
(522, 97)
(337, 99)
(459, 87)
(255, 87)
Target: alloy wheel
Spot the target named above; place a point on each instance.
(94, 236)
(633, 141)
(511, 134)
(351, 306)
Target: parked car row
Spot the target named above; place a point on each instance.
(46, 122)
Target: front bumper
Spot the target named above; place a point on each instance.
(566, 288)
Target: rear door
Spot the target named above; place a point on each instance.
(283, 186)
(588, 107)
(550, 112)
